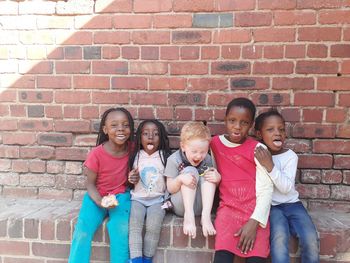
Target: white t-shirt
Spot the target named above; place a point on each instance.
(283, 178)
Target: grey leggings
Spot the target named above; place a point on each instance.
(152, 217)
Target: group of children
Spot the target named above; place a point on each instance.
(252, 177)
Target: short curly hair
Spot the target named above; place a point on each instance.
(194, 130)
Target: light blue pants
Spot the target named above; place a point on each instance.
(292, 219)
(90, 218)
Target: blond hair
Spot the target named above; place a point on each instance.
(194, 130)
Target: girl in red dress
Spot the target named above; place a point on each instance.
(245, 190)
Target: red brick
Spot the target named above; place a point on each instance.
(57, 53)
(295, 51)
(252, 52)
(109, 67)
(294, 18)
(72, 126)
(150, 53)
(69, 182)
(78, 38)
(193, 6)
(149, 68)
(341, 192)
(310, 176)
(313, 191)
(115, 6)
(182, 114)
(273, 52)
(89, 112)
(19, 138)
(8, 96)
(22, 260)
(151, 6)
(14, 248)
(203, 114)
(73, 52)
(318, 34)
(336, 115)
(328, 242)
(63, 230)
(91, 82)
(151, 37)
(110, 97)
(318, 4)
(132, 21)
(54, 167)
(36, 152)
(165, 113)
(331, 146)
(191, 36)
(18, 111)
(72, 112)
(231, 52)
(20, 166)
(188, 68)
(231, 5)
(293, 83)
(138, 83)
(169, 53)
(313, 131)
(53, 111)
(72, 67)
(317, 51)
(274, 34)
(249, 19)
(42, 67)
(8, 125)
(9, 151)
(334, 17)
(276, 4)
(130, 52)
(172, 21)
(118, 37)
(344, 99)
(37, 166)
(35, 96)
(319, 205)
(343, 131)
(5, 165)
(72, 97)
(31, 228)
(210, 52)
(189, 53)
(314, 99)
(55, 139)
(278, 67)
(340, 51)
(222, 99)
(341, 162)
(72, 154)
(110, 52)
(332, 177)
(230, 67)
(154, 98)
(25, 192)
(291, 114)
(345, 67)
(54, 82)
(207, 84)
(167, 83)
(50, 250)
(346, 175)
(232, 36)
(24, 82)
(312, 115)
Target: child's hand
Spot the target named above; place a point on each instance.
(212, 175)
(264, 157)
(134, 176)
(109, 201)
(188, 180)
(247, 235)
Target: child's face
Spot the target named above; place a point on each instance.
(238, 122)
(273, 134)
(150, 138)
(195, 150)
(117, 127)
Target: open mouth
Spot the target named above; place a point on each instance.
(277, 143)
(121, 137)
(150, 146)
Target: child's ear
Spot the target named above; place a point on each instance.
(104, 130)
(258, 135)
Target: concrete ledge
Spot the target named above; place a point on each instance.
(40, 231)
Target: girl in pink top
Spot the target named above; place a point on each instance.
(245, 190)
(106, 169)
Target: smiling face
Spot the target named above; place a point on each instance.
(238, 122)
(117, 127)
(195, 150)
(273, 133)
(150, 138)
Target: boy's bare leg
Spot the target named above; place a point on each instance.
(208, 192)
(188, 196)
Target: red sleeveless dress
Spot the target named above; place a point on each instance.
(237, 197)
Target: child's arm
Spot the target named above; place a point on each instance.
(91, 186)
(283, 179)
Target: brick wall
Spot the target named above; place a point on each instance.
(62, 63)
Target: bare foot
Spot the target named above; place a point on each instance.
(189, 225)
(207, 226)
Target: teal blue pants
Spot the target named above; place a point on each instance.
(90, 218)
